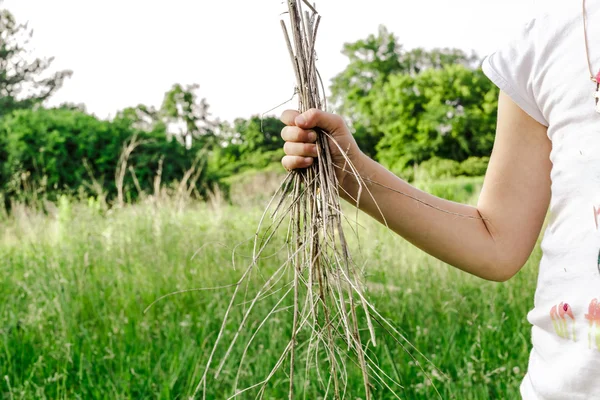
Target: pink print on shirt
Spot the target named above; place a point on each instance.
(596, 215)
(593, 316)
(558, 315)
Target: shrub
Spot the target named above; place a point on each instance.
(460, 190)
(59, 151)
(474, 166)
(437, 168)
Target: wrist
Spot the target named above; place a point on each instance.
(350, 182)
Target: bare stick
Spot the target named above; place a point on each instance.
(309, 6)
(328, 289)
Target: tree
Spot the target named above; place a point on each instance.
(372, 61)
(448, 113)
(48, 148)
(419, 59)
(259, 134)
(186, 116)
(248, 144)
(21, 84)
(142, 117)
(60, 150)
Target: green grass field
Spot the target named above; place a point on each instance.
(74, 283)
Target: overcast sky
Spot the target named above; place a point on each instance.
(129, 52)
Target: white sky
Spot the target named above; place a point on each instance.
(129, 52)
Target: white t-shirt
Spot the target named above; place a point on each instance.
(545, 71)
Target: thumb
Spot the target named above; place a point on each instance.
(314, 118)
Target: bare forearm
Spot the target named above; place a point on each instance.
(457, 235)
(494, 239)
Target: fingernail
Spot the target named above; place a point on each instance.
(312, 136)
(300, 120)
(308, 160)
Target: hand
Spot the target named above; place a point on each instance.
(300, 137)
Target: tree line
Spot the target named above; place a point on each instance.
(430, 108)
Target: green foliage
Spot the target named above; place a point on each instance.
(259, 134)
(448, 113)
(372, 62)
(461, 190)
(63, 150)
(48, 148)
(143, 118)
(474, 166)
(407, 107)
(440, 168)
(186, 116)
(249, 144)
(437, 168)
(74, 289)
(21, 86)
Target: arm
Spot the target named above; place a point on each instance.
(514, 199)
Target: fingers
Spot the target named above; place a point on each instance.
(299, 137)
(313, 118)
(295, 162)
(317, 118)
(299, 155)
(295, 134)
(289, 116)
(300, 149)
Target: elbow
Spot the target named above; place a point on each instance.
(506, 261)
(501, 276)
(493, 271)
(504, 271)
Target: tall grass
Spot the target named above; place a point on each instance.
(74, 284)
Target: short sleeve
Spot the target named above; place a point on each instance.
(513, 69)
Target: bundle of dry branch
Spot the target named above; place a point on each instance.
(330, 310)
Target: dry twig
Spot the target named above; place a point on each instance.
(328, 302)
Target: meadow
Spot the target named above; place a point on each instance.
(76, 277)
